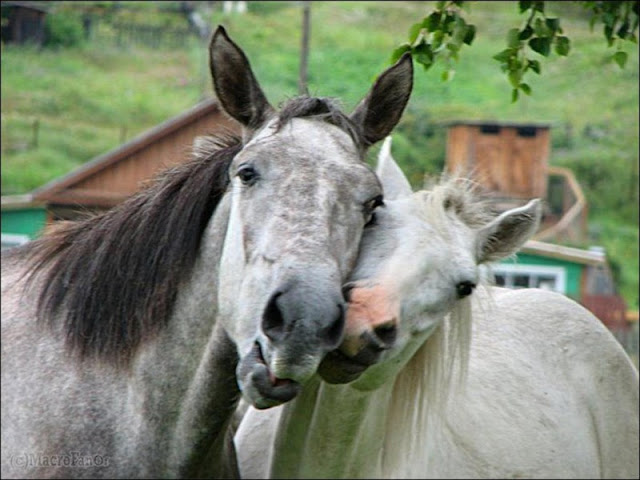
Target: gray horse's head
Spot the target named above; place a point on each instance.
(300, 195)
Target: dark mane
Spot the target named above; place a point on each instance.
(114, 277)
(326, 109)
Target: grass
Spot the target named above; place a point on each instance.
(88, 99)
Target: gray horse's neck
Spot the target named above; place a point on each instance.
(168, 416)
(188, 374)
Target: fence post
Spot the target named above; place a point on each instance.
(35, 130)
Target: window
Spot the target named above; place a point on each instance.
(489, 129)
(530, 276)
(526, 132)
(13, 240)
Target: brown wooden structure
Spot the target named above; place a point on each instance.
(508, 159)
(511, 162)
(108, 179)
(23, 22)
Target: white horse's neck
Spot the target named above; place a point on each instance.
(365, 429)
(332, 431)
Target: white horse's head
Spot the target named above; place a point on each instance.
(419, 261)
(300, 196)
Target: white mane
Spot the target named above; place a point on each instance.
(440, 364)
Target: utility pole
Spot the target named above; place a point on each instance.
(304, 52)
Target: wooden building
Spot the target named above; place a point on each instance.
(508, 159)
(511, 162)
(23, 22)
(108, 179)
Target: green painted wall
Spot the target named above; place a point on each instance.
(573, 270)
(26, 221)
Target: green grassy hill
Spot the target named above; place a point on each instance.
(62, 107)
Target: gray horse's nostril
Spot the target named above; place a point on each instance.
(346, 291)
(386, 333)
(273, 323)
(332, 335)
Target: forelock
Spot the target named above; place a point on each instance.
(321, 108)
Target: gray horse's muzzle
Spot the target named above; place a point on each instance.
(300, 324)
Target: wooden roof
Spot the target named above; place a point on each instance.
(576, 255)
(505, 124)
(108, 179)
(37, 6)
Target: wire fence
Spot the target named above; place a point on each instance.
(127, 34)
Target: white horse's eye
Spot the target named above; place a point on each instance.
(369, 207)
(247, 174)
(464, 289)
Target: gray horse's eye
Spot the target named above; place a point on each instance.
(247, 174)
(464, 289)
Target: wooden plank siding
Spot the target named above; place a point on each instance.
(509, 160)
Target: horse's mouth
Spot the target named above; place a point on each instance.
(260, 385)
(337, 367)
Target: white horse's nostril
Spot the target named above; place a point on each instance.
(387, 332)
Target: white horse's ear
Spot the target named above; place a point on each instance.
(508, 232)
(394, 182)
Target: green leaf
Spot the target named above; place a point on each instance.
(620, 58)
(541, 28)
(524, 5)
(608, 33)
(513, 38)
(553, 24)
(432, 22)
(526, 32)
(514, 95)
(504, 55)
(609, 19)
(448, 23)
(436, 42)
(622, 31)
(414, 31)
(539, 6)
(423, 54)
(514, 78)
(534, 65)
(541, 45)
(447, 75)
(470, 34)
(525, 88)
(563, 46)
(397, 53)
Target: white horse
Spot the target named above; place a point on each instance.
(535, 386)
(127, 337)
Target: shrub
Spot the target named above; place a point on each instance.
(63, 29)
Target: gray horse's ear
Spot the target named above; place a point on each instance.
(380, 110)
(235, 85)
(394, 182)
(508, 232)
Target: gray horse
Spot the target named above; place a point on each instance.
(128, 337)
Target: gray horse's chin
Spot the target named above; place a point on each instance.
(337, 367)
(259, 386)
